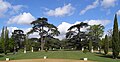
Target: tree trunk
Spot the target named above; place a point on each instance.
(14, 52)
(42, 44)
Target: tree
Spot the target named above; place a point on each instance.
(95, 34)
(52, 43)
(70, 34)
(44, 29)
(78, 26)
(110, 32)
(90, 45)
(1, 50)
(4, 40)
(115, 39)
(96, 31)
(11, 45)
(77, 34)
(64, 43)
(28, 43)
(119, 40)
(106, 45)
(19, 37)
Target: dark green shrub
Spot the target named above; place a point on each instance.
(85, 51)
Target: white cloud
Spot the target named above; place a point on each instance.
(16, 9)
(94, 5)
(5, 6)
(97, 22)
(118, 12)
(63, 27)
(24, 18)
(11, 29)
(34, 35)
(108, 3)
(61, 11)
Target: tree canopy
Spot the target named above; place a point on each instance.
(44, 29)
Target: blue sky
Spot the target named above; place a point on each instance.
(17, 14)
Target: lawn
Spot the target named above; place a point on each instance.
(76, 55)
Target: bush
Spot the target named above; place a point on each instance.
(46, 50)
(85, 51)
(35, 48)
(1, 50)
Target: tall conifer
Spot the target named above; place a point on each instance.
(115, 39)
(3, 39)
(106, 45)
(6, 41)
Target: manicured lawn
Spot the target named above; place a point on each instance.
(76, 55)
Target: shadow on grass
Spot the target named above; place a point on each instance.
(1, 56)
(81, 58)
(107, 56)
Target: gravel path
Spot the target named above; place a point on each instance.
(46, 60)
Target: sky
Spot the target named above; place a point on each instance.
(18, 14)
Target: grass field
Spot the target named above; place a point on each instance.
(76, 55)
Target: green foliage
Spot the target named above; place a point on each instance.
(19, 37)
(101, 43)
(85, 51)
(115, 39)
(33, 42)
(4, 40)
(69, 44)
(11, 45)
(52, 43)
(90, 45)
(78, 26)
(6, 43)
(96, 31)
(106, 45)
(65, 43)
(1, 49)
(44, 29)
(110, 32)
(119, 40)
(28, 44)
(36, 46)
(75, 36)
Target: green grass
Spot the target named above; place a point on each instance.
(77, 55)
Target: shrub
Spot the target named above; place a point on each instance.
(85, 51)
